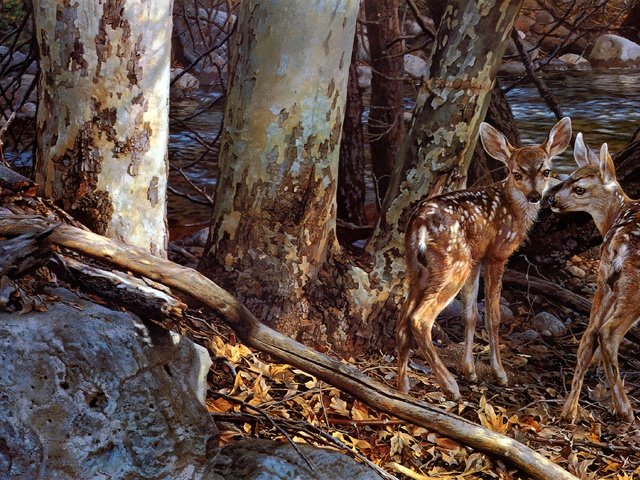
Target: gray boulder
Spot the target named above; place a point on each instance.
(185, 85)
(414, 66)
(89, 392)
(14, 64)
(16, 88)
(512, 68)
(576, 62)
(554, 65)
(614, 51)
(256, 459)
(549, 325)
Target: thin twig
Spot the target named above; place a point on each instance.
(416, 14)
(546, 94)
(267, 417)
(203, 55)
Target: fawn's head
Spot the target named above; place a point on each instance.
(590, 186)
(529, 166)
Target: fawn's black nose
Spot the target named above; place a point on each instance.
(534, 197)
(550, 201)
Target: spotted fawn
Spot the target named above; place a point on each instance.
(449, 238)
(593, 188)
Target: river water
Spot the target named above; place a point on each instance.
(604, 105)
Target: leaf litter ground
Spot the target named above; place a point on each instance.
(250, 396)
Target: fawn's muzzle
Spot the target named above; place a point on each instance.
(551, 201)
(534, 197)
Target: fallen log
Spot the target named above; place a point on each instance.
(549, 289)
(254, 334)
(24, 253)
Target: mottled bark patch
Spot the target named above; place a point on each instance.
(77, 57)
(152, 192)
(134, 70)
(135, 146)
(82, 165)
(112, 18)
(67, 35)
(104, 120)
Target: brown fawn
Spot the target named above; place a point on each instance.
(593, 188)
(450, 237)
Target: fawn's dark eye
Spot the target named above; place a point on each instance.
(578, 190)
(517, 176)
(546, 173)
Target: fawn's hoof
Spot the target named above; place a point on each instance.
(471, 376)
(451, 390)
(502, 378)
(569, 413)
(625, 413)
(403, 385)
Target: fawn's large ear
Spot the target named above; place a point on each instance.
(495, 143)
(582, 154)
(559, 138)
(607, 169)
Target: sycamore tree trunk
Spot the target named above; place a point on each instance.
(272, 239)
(103, 114)
(273, 231)
(451, 104)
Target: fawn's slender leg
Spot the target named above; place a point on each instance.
(493, 286)
(603, 302)
(421, 324)
(611, 333)
(403, 336)
(443, 283)
(469, 297)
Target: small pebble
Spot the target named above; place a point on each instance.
(577, 272)
(576, 259)
(549, 325)
(526, 336)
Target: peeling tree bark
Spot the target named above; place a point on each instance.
(103, 114)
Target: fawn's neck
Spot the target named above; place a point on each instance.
(606, 209)
(523, 211)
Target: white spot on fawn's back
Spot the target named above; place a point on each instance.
(423, 238)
